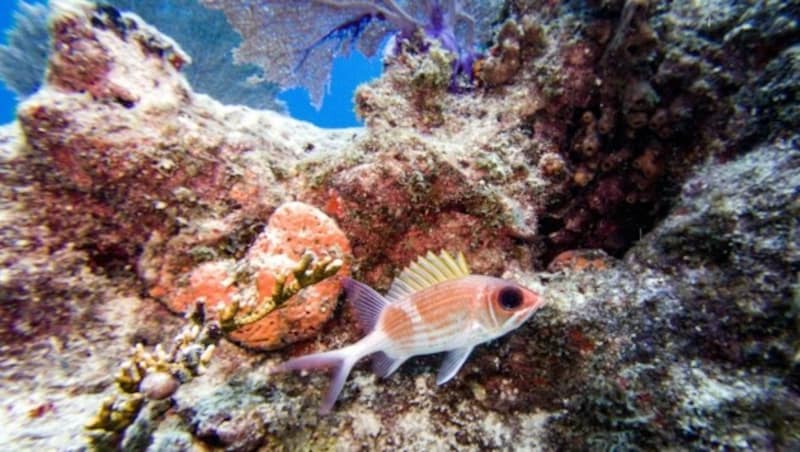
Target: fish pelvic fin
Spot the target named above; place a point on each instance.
(367, 303)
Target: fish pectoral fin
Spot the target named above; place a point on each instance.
(384, 365)
(452, 363)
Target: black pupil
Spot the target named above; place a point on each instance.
(510, 298)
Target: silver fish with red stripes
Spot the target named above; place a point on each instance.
(435, 305)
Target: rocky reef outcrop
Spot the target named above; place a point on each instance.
(642, 172)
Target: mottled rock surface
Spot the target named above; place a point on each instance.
(652, 156)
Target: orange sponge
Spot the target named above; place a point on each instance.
(293, 229)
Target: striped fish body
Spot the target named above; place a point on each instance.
(434, 306)
(446, 316)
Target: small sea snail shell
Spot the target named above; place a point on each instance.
(158, 385)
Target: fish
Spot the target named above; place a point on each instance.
(434, 305)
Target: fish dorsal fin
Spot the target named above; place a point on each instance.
(427, 271)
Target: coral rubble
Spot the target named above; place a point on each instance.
(642, 152)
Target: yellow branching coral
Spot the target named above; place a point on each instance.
(254, 288)
(116, 413)
(147, 376)
(157, 374)
(305, 274)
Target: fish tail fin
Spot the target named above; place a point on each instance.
(339, 361)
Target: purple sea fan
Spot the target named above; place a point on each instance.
(295, 41)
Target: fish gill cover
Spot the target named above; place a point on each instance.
(295, 42)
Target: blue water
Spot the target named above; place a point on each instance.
(336, 111)
(7, 101)
(337, 108)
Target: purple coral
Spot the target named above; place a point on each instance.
(295, 41)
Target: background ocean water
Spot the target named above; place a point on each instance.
(7, 99)
(337, 107)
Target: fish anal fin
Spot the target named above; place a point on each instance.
(452, 363)
(384, 365)
(368, 304)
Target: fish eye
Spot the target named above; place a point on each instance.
(510, 298)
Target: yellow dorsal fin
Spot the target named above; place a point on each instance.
(427, 271)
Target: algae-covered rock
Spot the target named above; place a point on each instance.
(697, 324)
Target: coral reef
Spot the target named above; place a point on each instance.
(150, 377)
(212, 71)
(703, 344)
(514, 44)
(291, 310)
(643, 152)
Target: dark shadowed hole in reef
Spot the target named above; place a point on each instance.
(620, 204)
(113, 261)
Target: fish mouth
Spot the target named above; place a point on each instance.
(522, 316)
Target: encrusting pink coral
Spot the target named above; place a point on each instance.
(293, 229)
